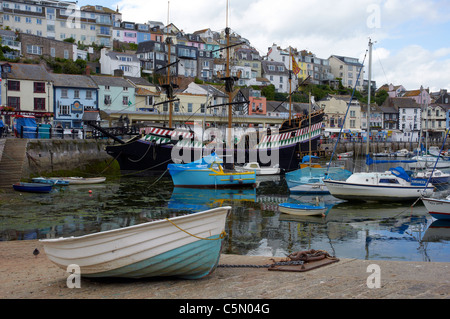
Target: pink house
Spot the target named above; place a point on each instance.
(421, 96)
(130, 36)
(257, 105)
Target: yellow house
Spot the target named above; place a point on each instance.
(27, 89)
(335, 108)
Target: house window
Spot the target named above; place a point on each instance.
(64, 93)
(39, 104)
(107, 99)
(66, 54)
(125, 100)
(76, 94)
(39, 87)
(149, 100)
(14, 102)
(64, 110)
(52, 52)
(89, 95)
(34, 49)
(13, 85)
(125, 68)
(190, 107)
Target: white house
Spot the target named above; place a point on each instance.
(112, 61)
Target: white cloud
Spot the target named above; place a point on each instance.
(325, 27)
(412, 67)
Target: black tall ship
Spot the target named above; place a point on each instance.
(151, 153)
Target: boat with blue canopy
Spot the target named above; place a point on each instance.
(309, 178)
(208, 172)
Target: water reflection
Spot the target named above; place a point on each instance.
(256, 227)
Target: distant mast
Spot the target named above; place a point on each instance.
(290, 85)
(368, 100)
(169, 42)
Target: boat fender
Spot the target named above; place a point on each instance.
(231, 178)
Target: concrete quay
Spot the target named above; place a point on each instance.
(25, 276)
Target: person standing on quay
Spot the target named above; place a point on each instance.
(2, 126)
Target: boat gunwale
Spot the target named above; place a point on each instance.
(135, 227)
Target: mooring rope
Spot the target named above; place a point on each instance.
(222, 235)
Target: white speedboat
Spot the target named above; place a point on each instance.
(403, 153)
(345, 155)
(438, 177)
(259, 170)
(428, 161)
(393, 185)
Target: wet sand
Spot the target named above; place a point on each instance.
(25, 276)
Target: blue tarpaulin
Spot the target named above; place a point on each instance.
(27, 125)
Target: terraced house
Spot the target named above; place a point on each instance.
(27, 89)
(114, 93)
(60, 20)
(73, 95)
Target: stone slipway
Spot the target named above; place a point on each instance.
(24, 276)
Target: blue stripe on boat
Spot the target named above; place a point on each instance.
(301, 206)
(191, 261)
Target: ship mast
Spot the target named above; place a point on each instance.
(368, 100)
(290, 85)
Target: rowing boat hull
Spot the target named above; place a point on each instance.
(82, 180)
(188, 247)
(33, 187)
(437, 208)
(302, 209)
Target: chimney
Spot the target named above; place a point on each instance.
(118, 72)
(88, 70)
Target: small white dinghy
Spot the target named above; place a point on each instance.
(259, 170)
(186, 246)
(302, 209)
(82, 180)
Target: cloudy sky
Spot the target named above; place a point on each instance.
(412, 37)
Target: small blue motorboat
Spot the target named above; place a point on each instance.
(33, 187)
(302, 209)
(49, 180)
(207, 172)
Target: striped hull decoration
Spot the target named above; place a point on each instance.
(272, 141)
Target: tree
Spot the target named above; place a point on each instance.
(269, 92)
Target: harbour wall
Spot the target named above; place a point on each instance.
(359, 148)
(46, 156)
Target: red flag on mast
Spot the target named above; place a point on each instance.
(295, 67)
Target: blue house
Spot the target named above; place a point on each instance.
(73, 95)
(115, 93)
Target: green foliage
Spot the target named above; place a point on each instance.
(66, 66)
(70, 40)
(319, 92)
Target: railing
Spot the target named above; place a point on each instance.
(44, 132)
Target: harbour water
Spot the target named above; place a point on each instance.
(390, 231)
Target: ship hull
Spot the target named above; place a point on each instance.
(146, 158)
